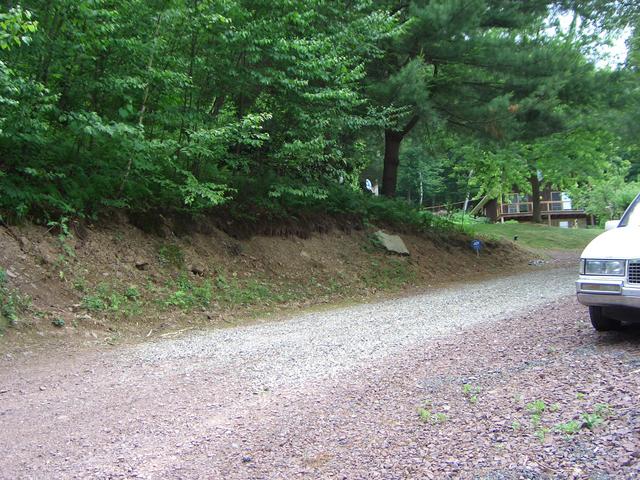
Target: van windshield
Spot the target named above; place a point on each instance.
(631, 217)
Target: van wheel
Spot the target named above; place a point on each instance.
(600, 322)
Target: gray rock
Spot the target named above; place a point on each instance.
(24, 243)
(391, 243)
(142, 264)
(198, 270)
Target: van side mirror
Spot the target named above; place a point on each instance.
(611, 224)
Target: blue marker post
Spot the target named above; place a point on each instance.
(476, 245)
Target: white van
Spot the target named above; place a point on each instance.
(609, 282)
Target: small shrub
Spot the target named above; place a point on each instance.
(58, 322)
(132, 292)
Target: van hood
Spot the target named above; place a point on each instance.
(620, 243)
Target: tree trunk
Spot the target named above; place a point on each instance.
(535, 198)
(392, 141)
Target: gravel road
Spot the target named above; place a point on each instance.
(335, 394)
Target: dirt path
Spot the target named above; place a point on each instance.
(374, 391)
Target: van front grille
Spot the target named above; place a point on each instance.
(634, 271)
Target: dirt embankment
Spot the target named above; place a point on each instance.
(109, 282)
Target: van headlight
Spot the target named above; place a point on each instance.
(603, 267)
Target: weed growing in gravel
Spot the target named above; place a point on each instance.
(570, 428)
(516, 426)
(536, 409)
(427, 416)
(601, 412)
(591, 420)
(471, 392)
(541, 433)
(603, 409)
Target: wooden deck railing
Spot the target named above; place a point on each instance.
(546, 206)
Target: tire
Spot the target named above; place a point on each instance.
(600, 322)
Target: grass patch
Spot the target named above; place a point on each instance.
(538, 237)
(109, 299)
(171, 255)
(250, 292)
(389, 274)
(187, 294)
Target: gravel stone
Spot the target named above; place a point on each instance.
(324, 344)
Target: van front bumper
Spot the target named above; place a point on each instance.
(605, 292)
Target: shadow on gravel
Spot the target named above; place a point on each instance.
(627, 334)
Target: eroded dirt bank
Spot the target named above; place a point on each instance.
(112, 283)
(443, 385)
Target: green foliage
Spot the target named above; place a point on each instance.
(15, 28)
(271, 200)
(187, 294)
(261, 109)
(541, 433)
(593, 420)
(154, 106)
(12, 304)
(570, 428)
(607, 196)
